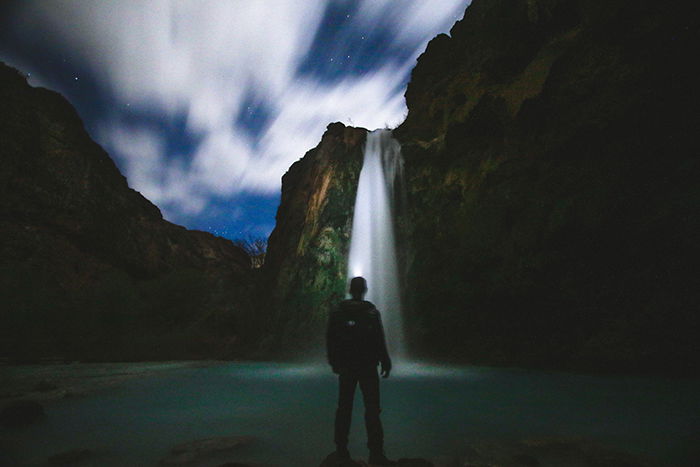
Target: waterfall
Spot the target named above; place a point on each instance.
(372, 245)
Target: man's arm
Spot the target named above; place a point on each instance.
(331, 341)
(383, 352)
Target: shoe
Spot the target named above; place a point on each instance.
(378, 458)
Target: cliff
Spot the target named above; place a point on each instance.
(306, 263)
(552, 171)
(551, 166)
(90, 269)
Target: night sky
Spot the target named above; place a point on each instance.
(204, 105)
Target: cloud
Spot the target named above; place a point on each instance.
(203, 61)
(413, 21)
(168, 183)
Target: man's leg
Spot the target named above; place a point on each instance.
(369, 384)
(343, 414)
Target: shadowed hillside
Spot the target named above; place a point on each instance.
(90, 269)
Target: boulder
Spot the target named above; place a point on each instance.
(20, 413)
(193, 452)
(414, 462)
(239, 464)
(545, 453)
(45, 386)
(71, 457)
(332, 460)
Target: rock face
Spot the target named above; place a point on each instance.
(553, 207)
(552, 168)
(306, 263)
(88, 263)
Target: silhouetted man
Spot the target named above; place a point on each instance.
(356, 345)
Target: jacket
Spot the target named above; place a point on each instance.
(355, 336)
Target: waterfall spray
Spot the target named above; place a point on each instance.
(372, 245)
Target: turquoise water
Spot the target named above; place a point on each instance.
(427, 412)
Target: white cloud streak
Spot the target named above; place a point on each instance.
(202, 59)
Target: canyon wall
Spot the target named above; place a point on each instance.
(552, 168)
(552, 212)
(553, 207)
(90, 269)
(306, 264)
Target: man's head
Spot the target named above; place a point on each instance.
(358, 287)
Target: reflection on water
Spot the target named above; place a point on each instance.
(427, 411)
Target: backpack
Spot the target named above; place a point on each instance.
(357, 334)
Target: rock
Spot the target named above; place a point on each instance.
(529, 162)
(545, 197)
(193, 452)
(72, 457)
(71, 394)
(218, 444)
(332, 460)
(239, 464)
(45, 386)
(185, 458)
(85, 255)
(545, 453)
(306, 261)
(414, 462)
(20, 413)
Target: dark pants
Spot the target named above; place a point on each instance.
(369, 385)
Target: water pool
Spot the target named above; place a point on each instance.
(427, 411)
